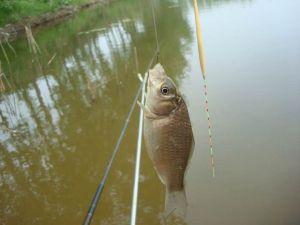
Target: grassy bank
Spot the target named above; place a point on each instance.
(14, 10)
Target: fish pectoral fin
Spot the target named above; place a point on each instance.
(143, 107)
(146, 111)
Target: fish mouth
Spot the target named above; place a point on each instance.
(156, 75)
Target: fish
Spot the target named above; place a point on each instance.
(168, 137)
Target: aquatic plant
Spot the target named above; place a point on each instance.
(33, 46)
(2, 86)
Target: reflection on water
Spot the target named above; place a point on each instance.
(60, 120)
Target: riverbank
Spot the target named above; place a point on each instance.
(12, 31)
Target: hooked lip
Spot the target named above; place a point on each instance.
(156, 75)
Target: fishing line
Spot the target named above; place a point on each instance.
(155, 31)
(97, 195)
(203, 69)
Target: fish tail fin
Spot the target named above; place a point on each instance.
(175, 202)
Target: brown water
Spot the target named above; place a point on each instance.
(59, 122)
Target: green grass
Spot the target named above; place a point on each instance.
(13, 10)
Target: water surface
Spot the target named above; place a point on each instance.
(60, 120)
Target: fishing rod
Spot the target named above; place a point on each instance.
(138, 156)
(140, 130)
(97, 195)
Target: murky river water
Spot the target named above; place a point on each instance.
(61, 120)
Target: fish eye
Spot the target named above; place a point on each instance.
(164, 90)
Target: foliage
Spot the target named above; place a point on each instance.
(7, 6)
(14, 10)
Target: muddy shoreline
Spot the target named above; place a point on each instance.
(11, 32)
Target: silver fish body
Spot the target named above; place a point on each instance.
(168, 136)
